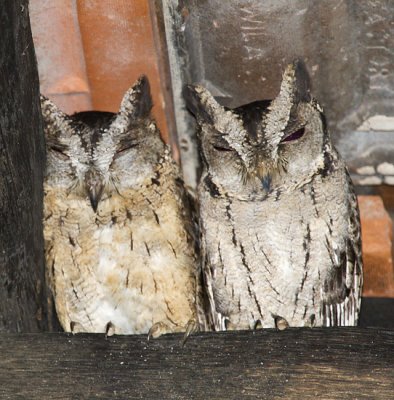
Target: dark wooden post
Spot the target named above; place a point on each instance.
(22, 293)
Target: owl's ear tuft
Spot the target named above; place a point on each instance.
(200, 103)
(282, 112)
(53, 117)
(137, 101)
(50, 110)
(301, 81)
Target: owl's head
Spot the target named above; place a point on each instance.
(95, 154)
(262, 144)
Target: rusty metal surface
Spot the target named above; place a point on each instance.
(238, 49)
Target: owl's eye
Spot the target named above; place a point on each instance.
(222, 148)
(122, 150)
(59, 153)
(220, 144)
(294, 136)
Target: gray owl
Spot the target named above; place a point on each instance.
(119, 243)
(279, 220)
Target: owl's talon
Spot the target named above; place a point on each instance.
(311, 322)
(258, 325)
(74, 327)
(158, 329)
(191, 327)
(229, 325)
(280, 323)
(109, 329)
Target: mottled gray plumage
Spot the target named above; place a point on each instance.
(280, 230)
(119, 240)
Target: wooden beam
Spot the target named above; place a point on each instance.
(337, 363)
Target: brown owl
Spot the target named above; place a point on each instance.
(119, 240)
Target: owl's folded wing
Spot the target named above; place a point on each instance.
(342, 287)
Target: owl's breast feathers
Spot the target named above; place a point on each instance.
(294, 253)
(132, 263)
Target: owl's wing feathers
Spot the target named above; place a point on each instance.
(214, 320)
(342, 288)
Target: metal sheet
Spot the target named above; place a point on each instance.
(238, 50)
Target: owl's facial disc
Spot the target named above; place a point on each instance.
(269, 162)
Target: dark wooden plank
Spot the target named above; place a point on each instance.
(22, 160)
(340, 363)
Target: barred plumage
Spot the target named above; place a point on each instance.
(120, 244)
(279, 221)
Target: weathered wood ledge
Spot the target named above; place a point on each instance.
(336, 363)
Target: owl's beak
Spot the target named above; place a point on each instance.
(95, 196)
(263, 171)
(94, 187)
